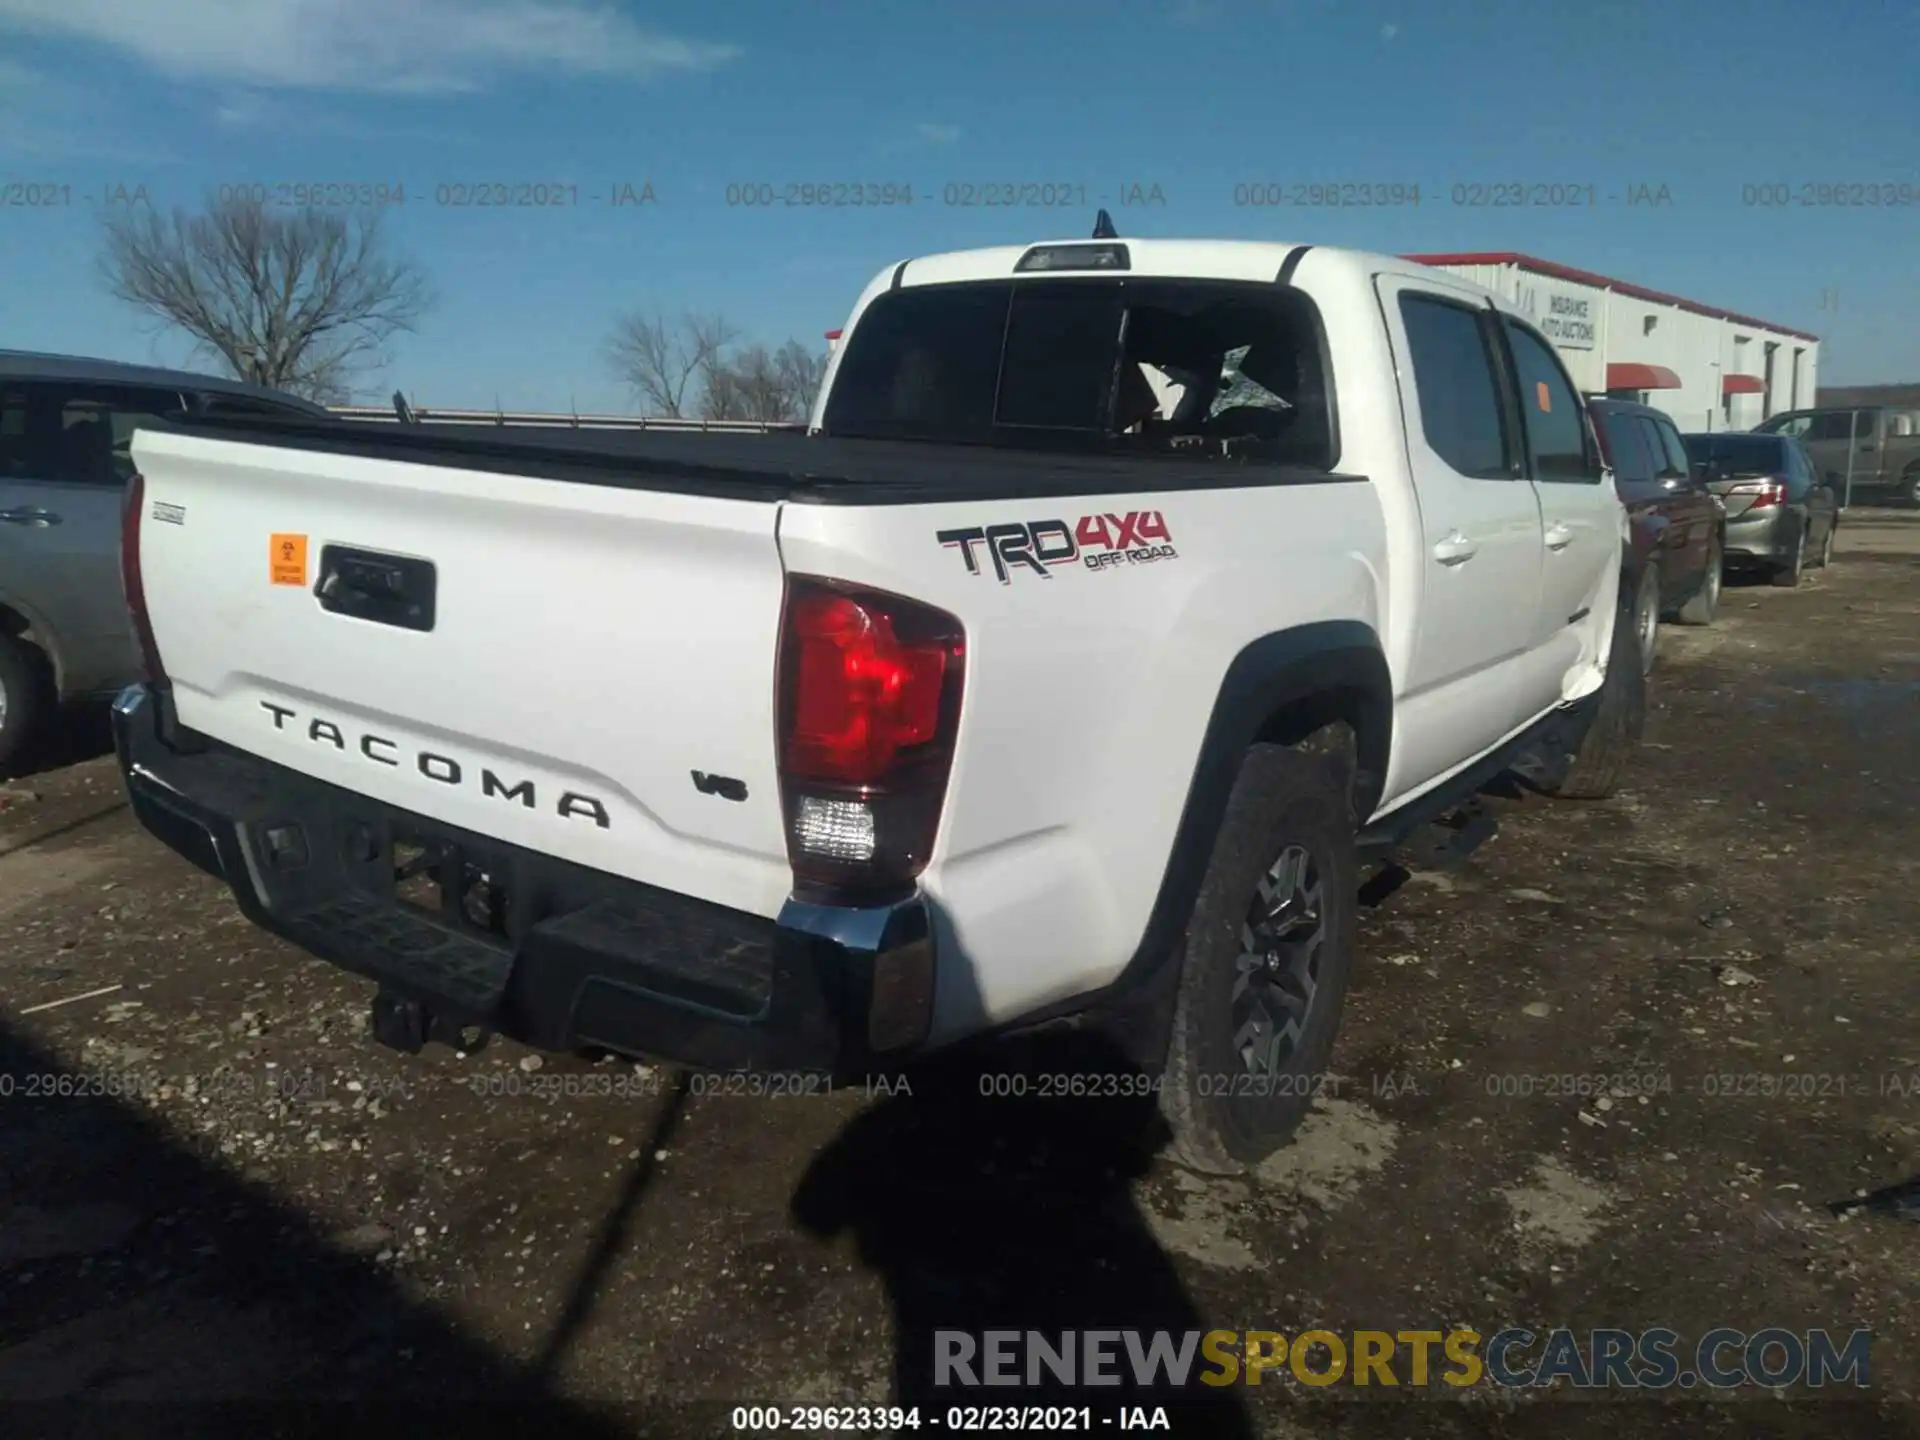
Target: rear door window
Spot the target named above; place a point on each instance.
(1556, 431)
(1830, 425)
(1663, 466)
(93, 445)
(1677, 461)
(1456, 380)
(1627, 444)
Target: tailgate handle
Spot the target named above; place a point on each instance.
(384, 589)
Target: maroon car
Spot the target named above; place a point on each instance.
(1679, 525)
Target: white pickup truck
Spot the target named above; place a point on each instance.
(1122, 597)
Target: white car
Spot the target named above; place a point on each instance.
(1123, 595)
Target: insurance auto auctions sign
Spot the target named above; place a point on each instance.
(1568, 315)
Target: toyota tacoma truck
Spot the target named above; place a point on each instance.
(1118, 601)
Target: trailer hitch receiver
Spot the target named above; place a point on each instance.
(403, 1023)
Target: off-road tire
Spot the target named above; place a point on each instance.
(22, 696)
(1705, 603)
(1910, 487)
(1616, 718)
(1224, 1117)
(1646, 617)
(1787, 575)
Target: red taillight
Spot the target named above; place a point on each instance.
(130, 577)
(1764, 493)
(869, 708)
(861, 695)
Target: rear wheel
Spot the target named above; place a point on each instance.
(22, 696)
(1787, 573)
(1265, 963)
(1614, 722)
(1646, 617)
(1910, 486)
(1705, 603)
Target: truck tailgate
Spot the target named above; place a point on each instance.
(548, 663)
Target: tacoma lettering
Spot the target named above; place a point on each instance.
(442, 768)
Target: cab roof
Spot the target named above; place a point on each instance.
(25, 365)
(1243, 260)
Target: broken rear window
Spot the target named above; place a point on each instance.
(1131, 366)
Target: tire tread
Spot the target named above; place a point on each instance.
(20, 675)
(1274, 782)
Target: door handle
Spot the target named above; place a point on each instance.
(1558, 536)
(1455, 549)
(385, 589)
(36, 515)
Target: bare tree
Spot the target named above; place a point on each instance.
(742, 386)
(723, 393)
(301, 300)
(768, 386)
(801, 371)
(660, 358)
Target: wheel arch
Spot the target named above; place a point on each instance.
(1280, 688)
(18, 622)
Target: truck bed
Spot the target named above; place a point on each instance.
(816, 469)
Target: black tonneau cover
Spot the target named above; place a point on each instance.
(771, 467)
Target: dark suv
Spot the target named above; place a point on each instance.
(1678, 525)
(65, 426)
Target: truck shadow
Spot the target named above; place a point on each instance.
(987, 1212)
(82, 730)
(146, 1290)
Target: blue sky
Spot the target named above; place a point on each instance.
(1195, 97)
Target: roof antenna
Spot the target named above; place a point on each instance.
(402, 409)
(1103, 228)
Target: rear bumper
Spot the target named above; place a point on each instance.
(574, 958)
(1767, 536)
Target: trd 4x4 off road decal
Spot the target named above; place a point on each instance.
(1098, 542)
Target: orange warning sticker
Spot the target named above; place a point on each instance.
(287, 560)
(1544, 397)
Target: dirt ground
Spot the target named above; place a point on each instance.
(285, 1217)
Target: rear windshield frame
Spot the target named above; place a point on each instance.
(1296, 307)
(1710, 449)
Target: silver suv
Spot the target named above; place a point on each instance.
(65, 427)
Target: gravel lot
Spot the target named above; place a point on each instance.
(283, 1211)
